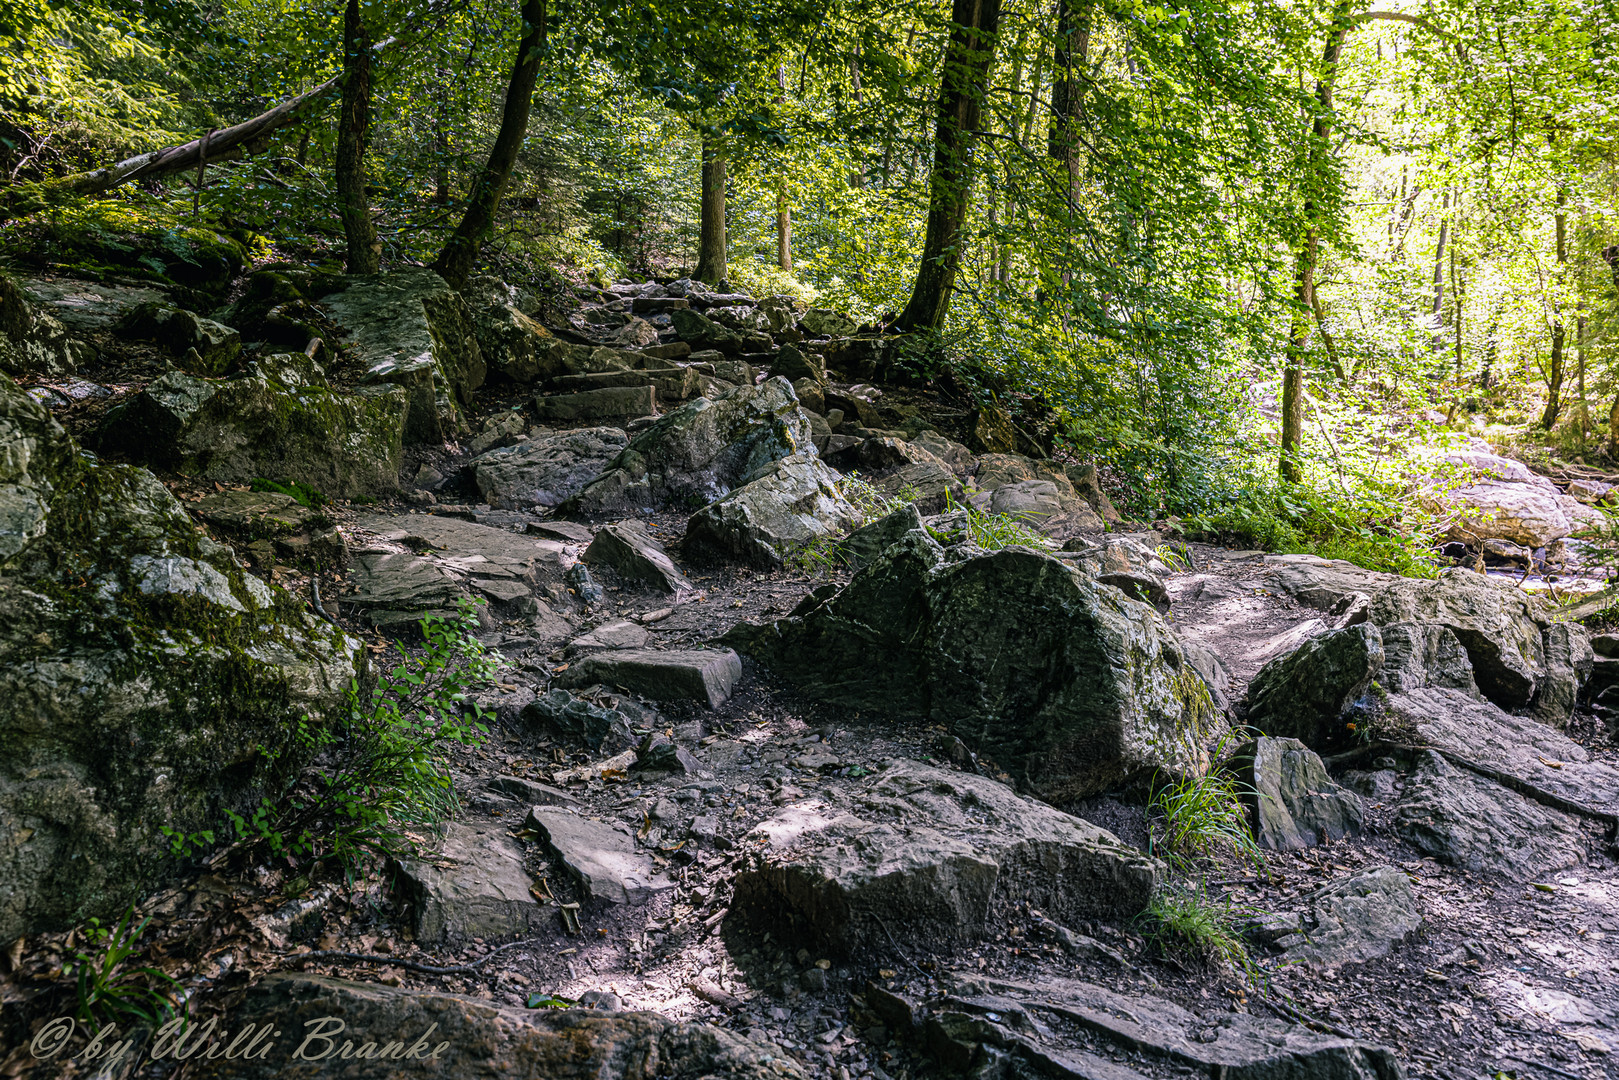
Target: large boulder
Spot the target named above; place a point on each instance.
(547, 468)
(702, 332)
(1348, 920)
(32, 340)
(1311, 694)
(517, 348)
(408, 328)
(928, 853)
(795, 503)
(700, 451)
(414, 1033)
(1065, 683)
(146, 680)
(205, 347)
(1497, 498)
(271, 422)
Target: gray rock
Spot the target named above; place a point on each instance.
(706, 675)
(929, 485)
(410, 329)
(1292, 802)
(658, 752)
(795, 504)
(700, 451)
(621, 634)
(574, 720)
(1070, 1029)
(1467, 821)
(1212, 670)
(265, 423)
(1349, 920)
(1144, 587)
(702, 332)
(33, 341)
(600, 858)
(1425, 654)
(865, 544)
(1569, 663)
(1069, 686)
(530, 792)
(955, 456)
(145, 678)
(395, 591)
(1516, 746)
(1087, 485)
(1306, 694)
(637, 558)
(470, 884)
(1031, 501)
(515, 347)
(930, 853)
(476, 1040)
(179, 332)
(258, 514)
(824, 322)
(610, 402)
(792, 365)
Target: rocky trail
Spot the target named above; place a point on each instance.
(878, 813)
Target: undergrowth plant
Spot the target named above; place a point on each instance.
(379, 765)
(1202, 816)
(1183, 921)
(109, 992)
(990, 531)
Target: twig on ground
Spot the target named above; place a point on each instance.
(408, 965)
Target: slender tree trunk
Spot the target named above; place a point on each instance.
(1292, 403)
(784, 212)
(1579, 377)
(1554, 373)
(454, 263)
(1439, 260)
(857, 178)
(353, 136)
(961, 89)
(711, 235)
(1072, 58)
(441, 147)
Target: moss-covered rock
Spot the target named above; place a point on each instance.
(276, 421)
(204, 347)
(146, 680)
(408, 328)
(33, 341)
(102, 238)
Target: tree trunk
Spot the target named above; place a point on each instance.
(711, 236)
(1071, 56)
(441, 148)
(1584, 418)
(857, 178)
(1554, 372)
(353, 134)
(454, 263)
(1439, 260)
(1292, 403)
(967, 61)
(784, 230)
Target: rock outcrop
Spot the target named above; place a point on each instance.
(699, 452)
(929, 854)
(1065, 683)
(1496, 498)
(146, 680)
(279, 420)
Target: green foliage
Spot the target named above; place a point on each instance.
(110, 992)
(1203, 815)
(306, 495)
(990, 531)
(1183, 921)
(541, 1000)
(379, 765)
(183, 845)
(1378, 527)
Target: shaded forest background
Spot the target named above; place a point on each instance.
(1253, 257)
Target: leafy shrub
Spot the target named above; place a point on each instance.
(379, 765)
(306, 495)
(992, 532)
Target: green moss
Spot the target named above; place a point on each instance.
(108, 237)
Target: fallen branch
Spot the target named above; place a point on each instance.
(240, 140)
(408, 965)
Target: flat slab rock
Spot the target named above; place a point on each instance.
(602, 859)
(706, 675)
(1467, 821)
(471, 885)
(1068, 1028)
(479, 1038)
(925, 852)
(1348, 920)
